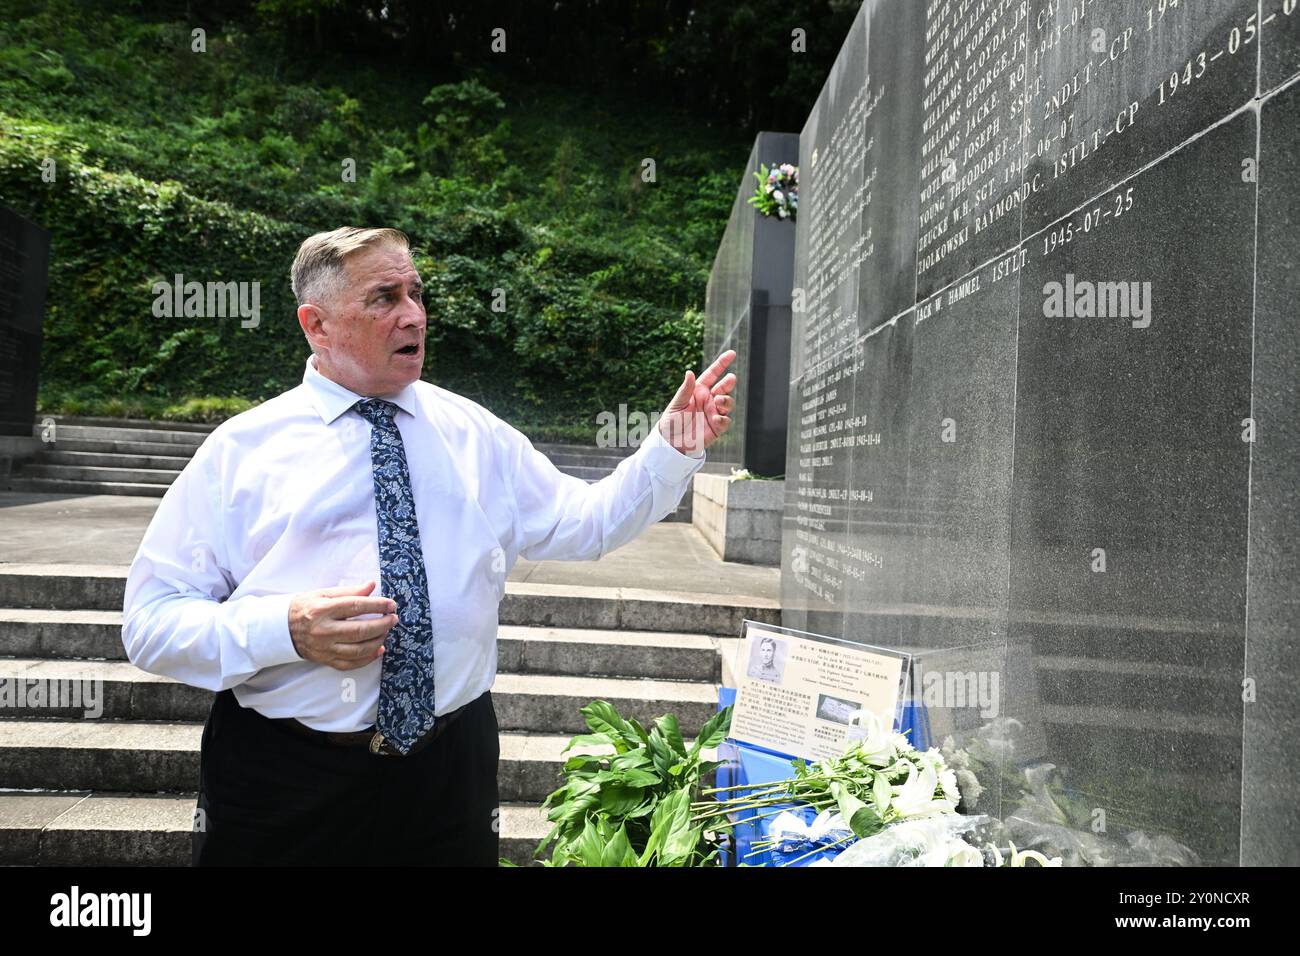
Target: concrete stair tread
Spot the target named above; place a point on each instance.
(96, 459)
(74, 486)
(97, 635)
(55, 472)
(533, 703)
(109, 446)
(65, 570)
(32, 668)
(81, 809)
(186, 735)
(598, 688)
(520, 632)
(37, 615)
(152, 424)
(704, 598)
(101, 735)
(534, 605)
(120, 433)
(549, 684)
(591, 635)
(163, 757)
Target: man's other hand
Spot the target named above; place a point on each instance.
(698, 414)
(322, 629)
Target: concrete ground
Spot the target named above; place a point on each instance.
(106, 529)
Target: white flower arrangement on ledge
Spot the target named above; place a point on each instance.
(777, 193)
(895, 805)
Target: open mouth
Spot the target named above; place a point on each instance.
(409, 350)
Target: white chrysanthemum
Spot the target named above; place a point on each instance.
(948, 782)
(914, 797)
(963, 854)
(877, 745)
(969, 787)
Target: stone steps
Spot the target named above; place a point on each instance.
(133, 476)
(525, 702)
(158, 436)
(114, 456)
(65, 487)
(569, 451)
(118, 790)
(102, 587)
(78, 828)
(150, 756)
(114, 447)
(145, 423)
(107, 459)
(157, 757)
(97, 635)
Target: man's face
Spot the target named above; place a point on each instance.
(766, 652)
(375, 328)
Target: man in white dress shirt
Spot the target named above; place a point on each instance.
(260, 577)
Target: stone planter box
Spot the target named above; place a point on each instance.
(741, 520)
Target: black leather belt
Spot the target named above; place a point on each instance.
(370, 738)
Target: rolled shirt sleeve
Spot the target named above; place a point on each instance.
(178, 619)
(562, 517)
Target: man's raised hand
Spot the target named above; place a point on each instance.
(699, 415)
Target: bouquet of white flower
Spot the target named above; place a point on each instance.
(879, 780)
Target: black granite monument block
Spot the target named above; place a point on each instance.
(1043, 410)
(24, 262)
(747, 308)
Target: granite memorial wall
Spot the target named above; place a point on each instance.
(747, 308)
(1043, 418)
(24, 261)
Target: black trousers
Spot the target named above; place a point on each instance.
(270, 797)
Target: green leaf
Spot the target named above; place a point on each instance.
(590, 848)
(602, 718)
(583, 740)
(637, 759)
(661, 752)
(641, 778)
(672, 733)
(619, 800)
(672, 837)
(714, 731)
(618, 851)
(639, 730)
(579, 761)
(866, 822)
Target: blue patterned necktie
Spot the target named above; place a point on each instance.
(406, 700)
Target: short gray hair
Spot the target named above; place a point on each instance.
(317, 274)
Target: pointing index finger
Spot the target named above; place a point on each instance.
(715, 370)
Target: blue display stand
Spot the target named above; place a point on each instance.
(915, 722)
(746, 764)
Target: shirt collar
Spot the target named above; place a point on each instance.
(330, 399)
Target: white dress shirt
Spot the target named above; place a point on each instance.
(280, 499)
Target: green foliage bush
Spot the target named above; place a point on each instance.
(215, 166)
